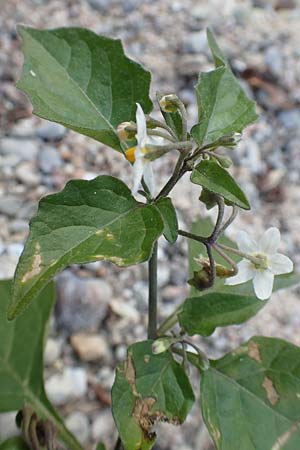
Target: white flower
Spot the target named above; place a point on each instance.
(269, 262)
(142, 166)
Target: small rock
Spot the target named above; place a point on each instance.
(69, 385)
(8, 427)
(124, 310)
(196, 42)
(15, 249)
(274, 61)
(81, 303)
(25, 149)
(52, 351)
(89, 347)
(8, 264)
(103, 426)
(163, 275)
(10, 205)
(290, 119)
(100, 5)
(78, 424)
(26, 173)
(51, 131)
(18, 226)
(49, 159)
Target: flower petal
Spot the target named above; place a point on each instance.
(149, 177)
(245, 243)
(279, 264)
(269, 242)
(263, 284)
(245, 273)
(138, 171)
(141, 134)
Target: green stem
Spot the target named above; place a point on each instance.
(192, 358)
(193, 236)
(152, 302)
(169, 322)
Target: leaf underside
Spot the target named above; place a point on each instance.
(250, 398)
(148, 389)
(87, 221)
(83, 81)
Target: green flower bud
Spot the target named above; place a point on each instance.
(169, 103)
(162, 344)
(126, 131)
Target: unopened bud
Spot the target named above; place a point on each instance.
(162, 344)
(151, 123)
(169, 103)
(126, 131)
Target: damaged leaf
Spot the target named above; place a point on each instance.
(87, 221)
(251, 397)
(148, 389)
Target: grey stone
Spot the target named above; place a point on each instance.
(8, 264)
(81, 303)
(100, 5)
(290, 119)
(78, 424)
(8, 427)
(274, 61)
(196, 42)
(18, 226)
(49, 159)
(90, 347)
(69, 385)
(25, 149)
(51, 131)
(103, 426)
(15, 249)
(10, 204)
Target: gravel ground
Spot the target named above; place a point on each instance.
(94, 313)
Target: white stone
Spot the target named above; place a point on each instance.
(89, 347)
(78, 424)
(69, 385)
(52, 351)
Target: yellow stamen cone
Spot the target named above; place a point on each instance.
(130, 154)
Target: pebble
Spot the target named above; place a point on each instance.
(196, 42)
(78, 424)
(52, 351)
(26, 173)
(100, 5)
(274, 61)
(51, 131)
(124, 310)
(10, 204)
(103, 426)
(49, 159)
(81, 303)
(90, 347)
(25, 149)
(8, 427)
(290, 119)
(69, 385)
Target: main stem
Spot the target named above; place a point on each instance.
(152, 302)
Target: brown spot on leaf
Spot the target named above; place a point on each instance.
(253, 351)
(130, 374)
(272, 394)
(283, 439)
(36, 265)
(146, 359)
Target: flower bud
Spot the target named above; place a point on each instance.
(169, 103)
(223, 161)
(162, 344)
(126, 131)
(130, 154)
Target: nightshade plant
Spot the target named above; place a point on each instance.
(250, 398)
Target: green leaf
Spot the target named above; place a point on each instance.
(173, 120)
(223, 106)
(14, 443)
(100, 446)
(201, 315)
(168, 213)
(148, 389)
(250, 398)
(87, 221)
(21, 360)
(83, 81)
(204, 227)
(219, 58)
(214, 178)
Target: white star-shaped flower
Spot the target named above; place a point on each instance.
(268, 262)
(142, 166)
